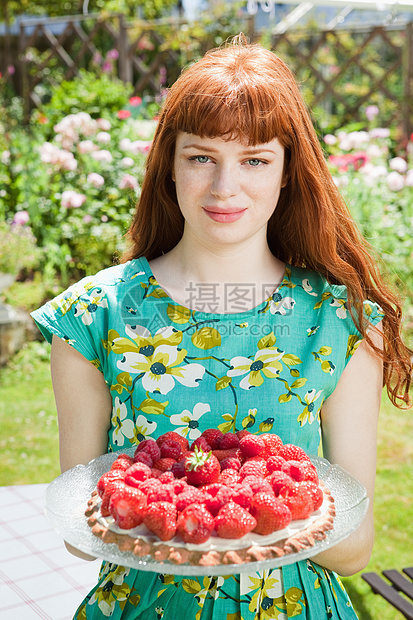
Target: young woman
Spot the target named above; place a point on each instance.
(247, 299)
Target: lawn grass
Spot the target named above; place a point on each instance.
(29, 455)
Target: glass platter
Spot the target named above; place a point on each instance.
(66, 500)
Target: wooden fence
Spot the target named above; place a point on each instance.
(340, 71)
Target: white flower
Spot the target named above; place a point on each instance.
(379, 132)
(409, 178)
(87, 309)
(341, 306)
(330, 139)
(395, 181)
(71, 199)
(398, 164)
(128, 182)
(95, 179)
(127, 162)
(87, 146)
(5, 157)
(282, 305)
(139, 146)
(189, 422)
(266, 361)
(308, 288)
(103, 136)
(102, 155)
(121, 425)
(103, 124)
(124, 144)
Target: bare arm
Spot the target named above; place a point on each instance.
(83, 404)
(349, 420)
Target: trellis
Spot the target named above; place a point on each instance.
(147, 59)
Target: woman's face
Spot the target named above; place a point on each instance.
(227, 190)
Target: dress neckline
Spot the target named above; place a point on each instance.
(215, 315)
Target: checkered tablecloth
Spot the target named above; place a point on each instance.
(39, 578)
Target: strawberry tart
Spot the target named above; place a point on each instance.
(228, 498)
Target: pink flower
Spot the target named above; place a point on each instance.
(380, 132)
(128, 182)
(103, 136)
(72, 199)
(87, 146)
(87, 219)
(107, 67)
(112, 54)
(123, 114)
(21, 218)
(95, 179)
(135, 101)
(371, 112)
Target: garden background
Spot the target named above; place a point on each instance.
(76, 122)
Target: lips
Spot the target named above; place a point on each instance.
(224, 215)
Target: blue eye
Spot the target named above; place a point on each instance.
(202, 159)
(254, 162)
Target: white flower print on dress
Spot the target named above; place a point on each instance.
(266, 361)
(189, 422)
(86, 309)
(341, 306)
(121, 425)
(281, 305)
(307, 287)
(162, 368)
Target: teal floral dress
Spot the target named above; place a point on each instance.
(268, 369)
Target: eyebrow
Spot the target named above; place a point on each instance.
(251, 151)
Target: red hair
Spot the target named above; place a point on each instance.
(246, 92)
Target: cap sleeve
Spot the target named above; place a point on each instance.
(77, 316)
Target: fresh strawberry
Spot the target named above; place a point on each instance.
(290, 452)
(253, 467)
(114, 474)
(273, 443)
(278, 480)
(127, 507)
(171, 449)
(251, 445)
(183, 442)
(315, 492)
(229, 477)
(298, 500)
(202, 468)
(189, 496)
(228, 441)
(275, 463)
(226, 454)
(138, 472)
(164, 464)
(233, 521)
(161, 493)
(123, 462)
(242, 495)
(143, 457)
(294, 469)
(151, 447)
(110, 488)
(231, 462)
(160, 518)
(202, 443)
(213, 437)
(216, 496)
(195, 524)
(270, 513)
(184, 455)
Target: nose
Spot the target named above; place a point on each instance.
(225, 182)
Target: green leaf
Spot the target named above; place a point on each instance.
(267, 342)
(325, 350)
(294, 372)
(178, 314)
(291, 360)
(150, 405)
(191, 586)
(206, 338)
(299, 382)
(285, 398)
(222, 383)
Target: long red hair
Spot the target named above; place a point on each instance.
(246, 92)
